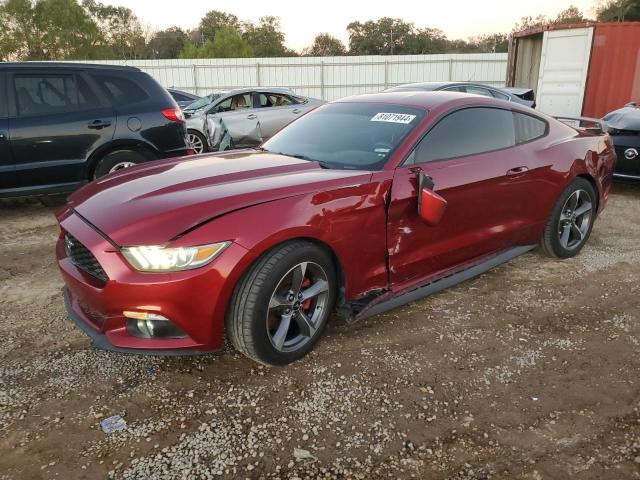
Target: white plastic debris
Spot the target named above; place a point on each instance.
(113, 424)
(301, 454)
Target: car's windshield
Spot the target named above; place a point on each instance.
(358, 136)
(202, 102)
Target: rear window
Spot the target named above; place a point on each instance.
(50, 93)
(121, 91)
(528, 128)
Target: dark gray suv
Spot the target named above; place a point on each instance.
(65, 124)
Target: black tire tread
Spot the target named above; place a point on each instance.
(546, 243)
(238, 320)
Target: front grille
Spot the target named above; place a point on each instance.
(82, 258)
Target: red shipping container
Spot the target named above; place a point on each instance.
(614, 70)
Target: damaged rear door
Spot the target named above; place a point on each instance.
(471, 158)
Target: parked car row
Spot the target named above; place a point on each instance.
(63, 125)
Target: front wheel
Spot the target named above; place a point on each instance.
(283, 303)
(571, 220)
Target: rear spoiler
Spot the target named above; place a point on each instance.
(587, 124)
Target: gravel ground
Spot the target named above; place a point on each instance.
(527, 372)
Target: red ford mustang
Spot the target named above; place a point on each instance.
(358, 207)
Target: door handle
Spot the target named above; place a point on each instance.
(517, 171)
(252, 116)
(99, 124)
(296, 110)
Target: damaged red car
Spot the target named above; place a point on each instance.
(358, 207)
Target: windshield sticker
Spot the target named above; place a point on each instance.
(393, 117)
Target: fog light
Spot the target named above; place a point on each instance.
(151, 325)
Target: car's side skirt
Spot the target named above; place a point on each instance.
(454, 277)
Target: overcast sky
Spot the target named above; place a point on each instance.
(303, 19)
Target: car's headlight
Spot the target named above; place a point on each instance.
(161, 259)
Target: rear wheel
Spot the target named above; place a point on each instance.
(571, 220)
(197, 141)
(118, 160)
(282, 305)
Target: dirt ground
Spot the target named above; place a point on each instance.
(527, 372)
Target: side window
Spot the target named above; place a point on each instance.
(120, 91)
(454, 89)
(266, 100)
(499, 95)
(470, 131)
(478, 91)
(231, 104)
(528, 127)
(3, 97)
(178, 97)
(48, 94)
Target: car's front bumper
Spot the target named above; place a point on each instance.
(193, 300)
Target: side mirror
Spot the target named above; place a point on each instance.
(431, 206)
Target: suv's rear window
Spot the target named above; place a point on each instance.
(120, 90)
(50, 93)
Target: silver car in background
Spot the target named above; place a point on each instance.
(243, 117)
(523, 96)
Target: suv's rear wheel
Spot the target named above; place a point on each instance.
(571, 220)
(118, 160)
(281, 306)
(197, 141)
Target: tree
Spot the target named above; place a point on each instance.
(325, 45)
(385, 36)
(227, 44)
(491, 43)
(48, 30)
(570, 15)
(213, 21)
(120, 27)
(266, 38)
(167, 43)
(618, 11)
(427, 40)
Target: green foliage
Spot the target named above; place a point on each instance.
(227, 44)
(266, 38)
(212, 22)
(619, 11)
(325, 45)
(167, 43)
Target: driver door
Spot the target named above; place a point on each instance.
(468, 154)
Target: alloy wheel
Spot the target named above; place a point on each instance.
(120, 166)
(575, 219)
(195, 142)
(297, 307)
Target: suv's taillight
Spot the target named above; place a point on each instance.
(174, 114)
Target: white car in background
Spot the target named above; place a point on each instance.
(248, 116)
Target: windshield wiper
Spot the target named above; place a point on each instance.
(300, 156)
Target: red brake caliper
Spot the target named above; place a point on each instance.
(307, 303)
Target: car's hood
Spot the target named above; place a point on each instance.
(625, 118)
(153, 203)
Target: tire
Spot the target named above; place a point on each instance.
(117, 160)
(53, 201)
(262, 301)
(194, 137)
(571, 220)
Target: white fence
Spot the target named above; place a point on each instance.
(328, 78)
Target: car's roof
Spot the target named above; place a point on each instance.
(236, 91)
(430, 86)
(420, 98)
(102, 66)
